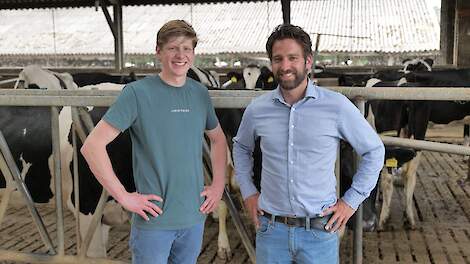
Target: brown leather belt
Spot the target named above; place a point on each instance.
(315, 222)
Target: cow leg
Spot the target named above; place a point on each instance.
(410, 183)
(66, 153)
(97, 248)
(66, 177)
(369, 218)
(25, 169)
(466, 143)
(223, 245)
(468, 171)
(114, 214)
(466, 137)
(371, 118)
(386, 184)
(398, 179)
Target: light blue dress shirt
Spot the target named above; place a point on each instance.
(299, 145)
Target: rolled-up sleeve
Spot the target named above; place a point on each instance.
(243, 145)
(368, 145)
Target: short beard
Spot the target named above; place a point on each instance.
(290, 85)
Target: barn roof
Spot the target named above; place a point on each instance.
(26, 4)
(384, 26)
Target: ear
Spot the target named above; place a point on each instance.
(158, 52)
(309, 62)
(429, 61)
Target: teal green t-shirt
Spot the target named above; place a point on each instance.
(166, 126)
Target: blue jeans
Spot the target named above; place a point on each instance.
(181, 246)
(279, 243)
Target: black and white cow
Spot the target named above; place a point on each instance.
(419, 113)
(35, 77)
(27, 131)
(30, 145)
(439, 112)
(209, 78)
(28, 134)
(91, 78)
(252, 77)
(393, 115)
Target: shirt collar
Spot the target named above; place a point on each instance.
(311, 92)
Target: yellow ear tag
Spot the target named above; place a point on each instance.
(391, 163)
(234, 79)
(270, 79)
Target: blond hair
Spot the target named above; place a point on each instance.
(176, 28)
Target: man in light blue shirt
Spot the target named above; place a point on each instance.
(300, 126)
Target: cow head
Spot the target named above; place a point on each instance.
(251, 74)
(35, 77)
(417, 65)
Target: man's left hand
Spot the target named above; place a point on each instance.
(341, 213)
(213, 195)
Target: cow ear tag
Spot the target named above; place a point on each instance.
(270, 79)
(234, 79)
(391, 163)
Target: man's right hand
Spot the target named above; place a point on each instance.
(141, 203)
(251, 204)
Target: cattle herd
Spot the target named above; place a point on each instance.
(27, 131)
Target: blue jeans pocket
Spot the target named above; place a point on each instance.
(265, 226)
(322, 235)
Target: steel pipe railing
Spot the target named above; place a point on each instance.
(223, 98)
(357, 242)
(426, 145)
(57, 179)
(9, 187)
(76, 188)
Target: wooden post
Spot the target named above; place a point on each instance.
(462, 34)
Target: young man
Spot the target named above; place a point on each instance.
(167, 115)
(300, 126)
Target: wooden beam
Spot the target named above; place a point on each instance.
(447, 31)
(462, 34)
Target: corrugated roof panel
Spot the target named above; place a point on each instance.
(364, 26)
(27, 4)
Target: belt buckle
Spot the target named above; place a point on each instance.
(288, 222)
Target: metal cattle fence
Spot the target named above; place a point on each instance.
(221, 99)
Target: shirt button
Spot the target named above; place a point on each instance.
(292, 126)
(291, 180)
(292, 144)
(293, 108)
(291, 162)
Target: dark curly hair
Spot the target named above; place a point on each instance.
(288, 31)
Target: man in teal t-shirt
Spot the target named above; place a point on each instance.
(167, 116)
